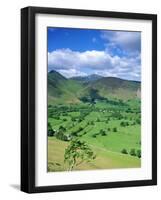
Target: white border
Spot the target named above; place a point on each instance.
(61, 178)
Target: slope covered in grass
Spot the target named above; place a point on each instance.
(104, 159)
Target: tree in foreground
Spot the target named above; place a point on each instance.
(78, 152)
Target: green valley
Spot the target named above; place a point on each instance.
(101, 113)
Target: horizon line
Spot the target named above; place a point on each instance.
(94, 74)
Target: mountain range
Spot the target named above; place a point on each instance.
(73, 90)
(87, 79)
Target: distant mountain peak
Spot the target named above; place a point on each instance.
(72, 89)
(95, 75)
(56, 74)
(53, 72)
(88, 78)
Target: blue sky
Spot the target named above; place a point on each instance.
(81, 52)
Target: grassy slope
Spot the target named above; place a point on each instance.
(62, 90)
(104, 160)
(116, 88)
(108, 148)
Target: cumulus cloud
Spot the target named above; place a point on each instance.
(74, 63)
(126, 41)
(68, 59)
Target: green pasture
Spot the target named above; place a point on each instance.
(101, 127)
(104, 159)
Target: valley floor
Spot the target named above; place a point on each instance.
(112, 129)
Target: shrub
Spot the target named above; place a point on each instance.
(132, 152)
(73, 119)
(95, 135)
(80, 129)
(102, 132)
(61, 128)
(84, 133)
(127, 123)
(56, 117)
(79, 120)
(114, 129)
(61, 136)
(74, 133)
(98, 120)
(50, 133)
(124, 151)
(138, 153)
(50, 130)
(138, 121)
(122, 124)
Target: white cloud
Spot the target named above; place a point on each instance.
(126, 40)
(67, 59)
(73, 63)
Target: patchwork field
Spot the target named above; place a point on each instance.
(111, 129)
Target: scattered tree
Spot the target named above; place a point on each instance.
(94, 135)
(92, 122)
(138, 121)
(132, 152)
(50, 130)
(102, 132)
(114, 129)
(138, 153)
(62, 129)
(124, 151)
(123, 124)
(57, 117)
(98, 120)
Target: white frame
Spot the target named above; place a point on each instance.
(95, 176)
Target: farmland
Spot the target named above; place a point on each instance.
(111, 128)
(94, 99)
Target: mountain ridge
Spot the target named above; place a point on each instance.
(61, 89)
(88, 78)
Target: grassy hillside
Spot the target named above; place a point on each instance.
(116, 88)
(105, 113)
(104, 159)
(63, 90)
